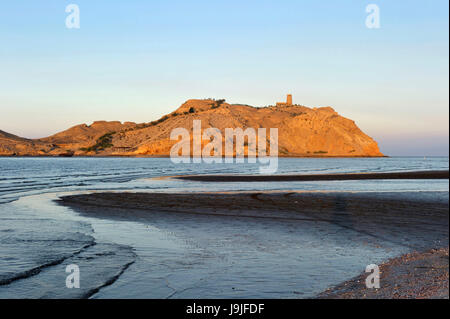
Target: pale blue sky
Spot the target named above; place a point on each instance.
(137, 60)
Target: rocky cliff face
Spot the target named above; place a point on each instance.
(302, 131)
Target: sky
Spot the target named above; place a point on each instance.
(138, 60)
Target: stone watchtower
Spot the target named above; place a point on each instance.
(288, 101)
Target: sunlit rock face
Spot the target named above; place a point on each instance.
(302, 131)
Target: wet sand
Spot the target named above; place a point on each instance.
(406, 209)
(317, 177)
(416, 221)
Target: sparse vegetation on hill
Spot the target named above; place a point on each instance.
(103, 142)
(302, 131)
(153, 123)
(217, 103)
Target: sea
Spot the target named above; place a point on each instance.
(186, 256)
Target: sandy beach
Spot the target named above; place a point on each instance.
(416, 221)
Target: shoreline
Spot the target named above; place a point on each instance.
(443, 174)
(416, 275)
(168, 156)
(414, 221)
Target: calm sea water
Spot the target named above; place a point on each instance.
(188, 257)
(27, 176)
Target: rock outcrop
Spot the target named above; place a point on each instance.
(12, 145)
(302, 131)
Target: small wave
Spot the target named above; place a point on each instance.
(36, 270)
(100, 265)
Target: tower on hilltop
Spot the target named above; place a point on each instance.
(288, 101)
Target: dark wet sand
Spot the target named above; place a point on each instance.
(405, 209)
(417, 221)
(317, 177)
